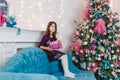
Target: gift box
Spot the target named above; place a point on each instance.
(55, 44)
(3, 7)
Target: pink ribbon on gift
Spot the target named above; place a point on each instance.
(2, 19)
(55, 44)
(100, 27)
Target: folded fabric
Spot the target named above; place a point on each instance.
(24, 76)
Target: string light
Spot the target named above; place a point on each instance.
(29, 21)
(21, 11)
(62, 24)
(31, 25)
(31, 28)
(40, 4)
(62, 11)
(61, 37)
(39, 11)
(52, 12)
(30, 7)
(22, 6)
(33, 16)
(43, 25)
(22, 2)
(59, 17)
(49, 1)
(50, 17)
(20, 16)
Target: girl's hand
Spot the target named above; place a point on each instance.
(49, 49)
(61, 46)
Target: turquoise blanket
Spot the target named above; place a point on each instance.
(32, 64)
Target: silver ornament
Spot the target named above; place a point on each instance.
(85, 43)
(112, 51)
(93, 52)
(73, 58)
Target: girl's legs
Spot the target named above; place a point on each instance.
(64, 62)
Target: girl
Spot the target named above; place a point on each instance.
(50, 35)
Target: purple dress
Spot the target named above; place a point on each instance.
(52, 55)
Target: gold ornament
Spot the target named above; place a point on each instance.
(91, 16)
(108, 25)
(81, 24)
(88, 37)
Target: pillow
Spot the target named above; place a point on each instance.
(55, 44)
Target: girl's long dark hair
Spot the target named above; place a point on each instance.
(47, 32)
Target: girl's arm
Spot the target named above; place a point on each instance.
(45, 48)
(42, 42)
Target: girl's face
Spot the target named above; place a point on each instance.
(52, 28)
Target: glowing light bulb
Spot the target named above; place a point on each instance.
(30, 7)
(22, 6)
(31, 28)
(50, 16)
(50, 1)
(43, 26)
(40, 21)
(62, 12)
(40, 8)
(20, 19)
(31, 25)
(62, 24)
(22, 2)
(40, 4)
(34, 16)
(20, 16)
(21, 11)
(29, 21)
(52, 12)
(61, 5)
(59, 17)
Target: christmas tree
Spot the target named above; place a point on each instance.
(96, 41)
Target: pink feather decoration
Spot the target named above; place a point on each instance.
(86, 12)
(75, 46)
(100, 27)
(94, 67)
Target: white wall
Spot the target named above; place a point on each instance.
(117, 7)
(73, 12)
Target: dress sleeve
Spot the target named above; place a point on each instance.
(43, 41)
